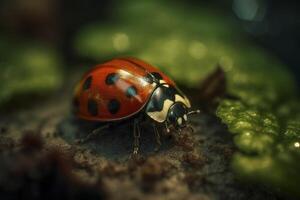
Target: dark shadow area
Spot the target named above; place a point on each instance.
(114, 142)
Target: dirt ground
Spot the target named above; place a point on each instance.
(39, 150)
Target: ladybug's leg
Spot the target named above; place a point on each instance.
(93, 134)
(190, 128)
(167, 127)
(157, 137)
(179, 131)
(136, 135)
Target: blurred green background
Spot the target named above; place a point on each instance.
(43, 43)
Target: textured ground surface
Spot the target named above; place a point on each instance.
(190, 166)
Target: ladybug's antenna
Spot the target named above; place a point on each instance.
(193, 112)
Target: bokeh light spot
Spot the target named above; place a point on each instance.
(245, 9)
(197, 50)
(121, 41)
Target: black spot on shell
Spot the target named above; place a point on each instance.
(87, 83)
(148, 78)
(157, 75)
(113, 106)
(112, 78)
(131, 91)
(92, 107)
(153, 77)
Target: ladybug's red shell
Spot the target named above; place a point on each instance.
(115, 90)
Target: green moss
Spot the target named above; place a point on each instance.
(28, 69)
(269, 146)
(254, 130)
(293, 129)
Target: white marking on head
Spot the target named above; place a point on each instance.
(179, 120)
(184, 100)
(185, 117)
(162, 81)
(187, 102)
(160, 116)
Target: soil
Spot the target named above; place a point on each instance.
(41, 158)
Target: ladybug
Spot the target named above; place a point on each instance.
(126, 88)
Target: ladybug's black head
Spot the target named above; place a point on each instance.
(178, 115)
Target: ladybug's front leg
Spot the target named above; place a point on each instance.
(157, 137)
(136, 135)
